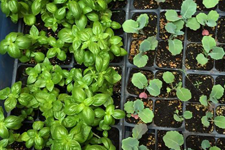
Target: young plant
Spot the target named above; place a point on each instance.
(141, 59)
(173, 140)
(210, 3)
(132, 26)
(132, 142)
(182, 93)
(179, 118)
(206, 145)
(209, 49)
(136, 110)
(209, 20)
(140, 81)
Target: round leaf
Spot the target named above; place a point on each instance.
(139, 80)
(173, 140)
(168, 77)
(183, 94)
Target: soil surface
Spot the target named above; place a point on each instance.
(113, 135)
(219, 64)
(222, 5)
(117, 5)
(148, 139)
(164, 111)
(172, 94)
(131, 88)
(150, 29)
(147, 104)
(198, 85)
(220, 111)
(221, 80)
(221, 30)
(134, 50)
(192, 52)
(196, 36)
(221, 143)
(194, 124)
(119, 16)
(145, 4)
(194, 142)
(165, 59)
(171, 4)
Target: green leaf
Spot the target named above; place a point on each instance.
(14, 51)
(146, 115)
(75, 8)
(130, 143)
(29, 19)
(171, 28)
(188, 115)
(142, 147)
(208, 43)
(214, 148)
(36, 7)
(10, 104)
(168, 77)
(140, 60)
(97, 28)
(217, 91)
(203, 100)
(213, 16)
(4, 93)
(179, 24)
(188, 9)
(193, 24)
(205, 121)
(38, 125)
(173, 140)
(205, 144)
(175, 47)
(139, 80)
(118, 114)
(171, 15)
(202, 18)
(210, 3)
(130, 26)
(139, 130)
(183, 94)
(220, 122)
(217, 53)
(148, 44)
(129, 107)
(138, 105)
(154, 87)
(34, 31)
(142, 20)
(201, 59)
(66, 35)
(177, 118)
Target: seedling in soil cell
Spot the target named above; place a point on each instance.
(209, 49)
(141, 59)
(132, 142)
(136, 110)
(132, 26)
(179, 118)
(173, 140)
(206, 145)
(216, 93)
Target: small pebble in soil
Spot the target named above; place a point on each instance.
(143, 95)
(205, 32)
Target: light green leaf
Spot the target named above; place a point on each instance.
(139, 130)
(130, 143)
(175, 47)
(214, 148)
(179, 24)
(154, 87)
(140, 60)
(171, 15)
(171, 28)
(217, 53)
(202, 18)
(4, 93)
(220, 122)
(139, 80)
(142, 20)
(210, 3)
(130, 26)
(188, 115)
(146, 115)
(217, 91)
(213, 16)
(142, 147)
(201, 59)
(173, 140)
(208, 43)
(183, 94)
(188, 9)
(168, 77)
(129, 107)
(177, 118)
(149, 44)
(203, 100)
(193, 24)
(138, 105)
(205, 144)
(205, 121)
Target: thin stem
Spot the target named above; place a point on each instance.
(96, 135)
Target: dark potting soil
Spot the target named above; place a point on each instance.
(150, 29)
(194, 142)
(194, 124)
(199, 85)
(163, 34)
(148, 140)
(134, 50)
(196, 36)
(21, 75)
(221, 30)
(113, 135)
(160, 144)
(131, 88)
(219, 64)
(19, 146)
(114, 5)
(178, 78)
(164, 111)
(165, 59)
(192, 51)
(119, 16)
(145, 4)
(220, 111)
(222, 5)
(221, 80)
(171, 4)
(147, 104)
(17, 111)
(221, 143)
